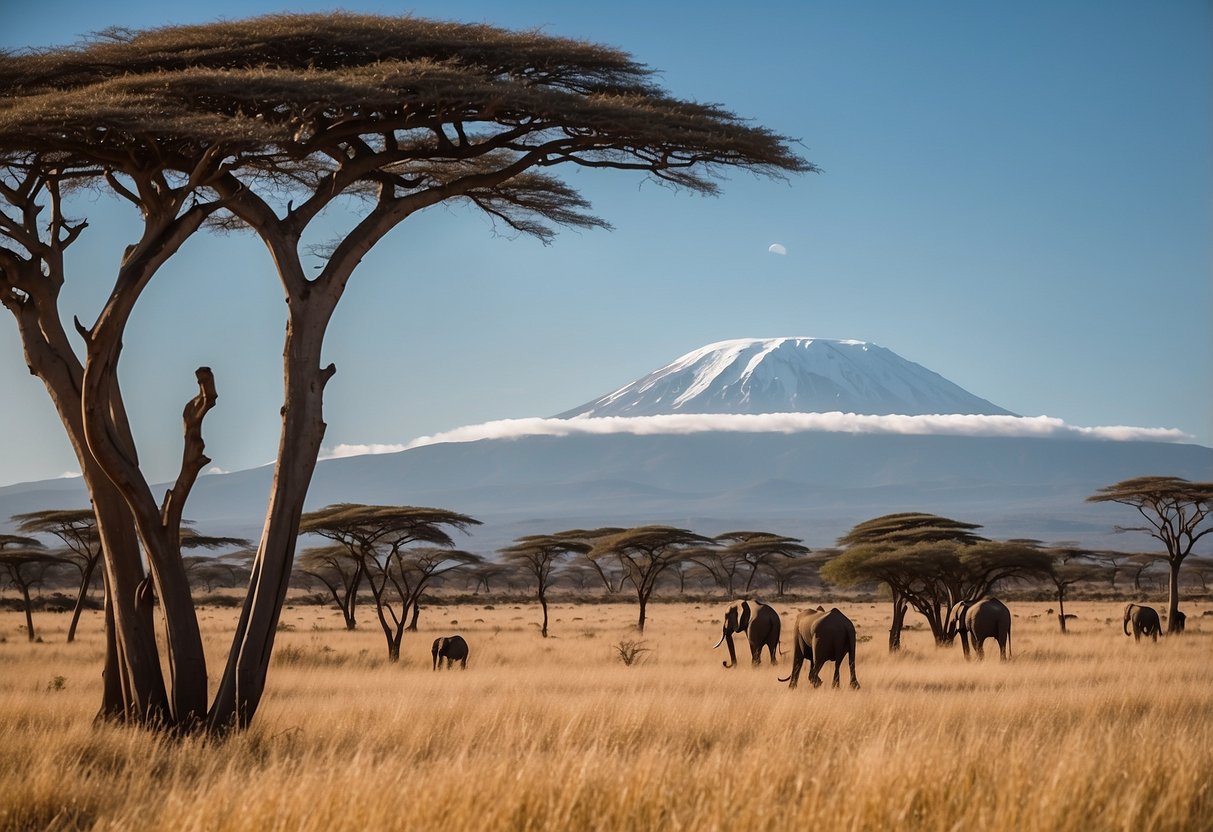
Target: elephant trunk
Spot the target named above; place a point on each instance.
(728, 639)
(1127, 610)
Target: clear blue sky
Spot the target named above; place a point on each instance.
(1017, 196)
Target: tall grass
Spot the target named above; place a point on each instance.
(1078, 732)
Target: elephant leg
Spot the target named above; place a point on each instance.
(837, 671)
(815, 666)
(851, 661)
(755, 653)
(797, 661)
(979, 649)
(772, 647)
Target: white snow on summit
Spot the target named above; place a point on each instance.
(789, 375)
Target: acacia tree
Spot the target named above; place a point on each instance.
(340, 572)
(1071, 565)
(378, 538)
(263, 124)
(77, 530)
(1174, 510)
(537, 556)
(24, 563)
(644, 553)
(758, 550)
(930, 563)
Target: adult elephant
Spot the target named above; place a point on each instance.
(822, 637)
(759, 622)
(980, 620)
(1145, 621)
(451, 648)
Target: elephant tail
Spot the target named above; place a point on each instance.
(786, 678)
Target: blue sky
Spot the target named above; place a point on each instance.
(1017, 196)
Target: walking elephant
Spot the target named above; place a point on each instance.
(822, 637)
(451, 648)
(761, 625)
(1145, 621)
(980, 620)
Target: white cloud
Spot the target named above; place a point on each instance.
(344, 450)
(941, 425)
(215, 469)
(68, 475)
(777, 248)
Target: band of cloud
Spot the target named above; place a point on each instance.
(938, 425)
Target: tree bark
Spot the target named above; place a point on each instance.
(543, 602)
(303, 427)
(898, 622)
(85, 579)
(29, 611)
(1173, 596)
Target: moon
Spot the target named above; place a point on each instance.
(777, 248)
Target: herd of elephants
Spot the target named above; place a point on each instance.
(822, 636)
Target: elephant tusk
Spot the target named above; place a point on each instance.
(719, 642)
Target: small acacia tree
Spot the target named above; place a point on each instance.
(24, 564)
(341, 573)
(644, 553)
(758, 551)
(263, 124)
(1174, 511)
(1071, 565)
(77, 530)
(537, 556)
(379, 539)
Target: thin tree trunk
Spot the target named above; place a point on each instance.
(29, 612)
(644, 602)
(543, 602)
(899, 617)
(1061, 609)
(81, 597)
(412, 628)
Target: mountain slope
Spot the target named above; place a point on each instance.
(782, 375)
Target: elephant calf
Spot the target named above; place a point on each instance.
(823, 637)
(451, 648)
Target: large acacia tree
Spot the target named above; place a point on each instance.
(930, 563)
(1173, 511)
(263, 124)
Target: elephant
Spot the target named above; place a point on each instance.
(761, 625)
(1145, 622)
(451, 648)
(823, 637)
(980, 620)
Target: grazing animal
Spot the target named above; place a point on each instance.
(980, 620)
(451, 648)
(822, 637)
(761, 625)
(1145, 621)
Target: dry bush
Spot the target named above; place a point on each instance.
(1079, 732)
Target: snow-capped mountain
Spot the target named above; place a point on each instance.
(788, 375)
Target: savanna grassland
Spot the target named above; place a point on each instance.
(1081, 732)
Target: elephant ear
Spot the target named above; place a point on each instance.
(744, 621)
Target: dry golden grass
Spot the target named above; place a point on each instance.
(1084, 732)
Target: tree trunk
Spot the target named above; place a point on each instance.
(899, 618)
(29, 611)
(1061, 610)
(244, 676)
(543, 602)
(412, 628)
(111, 676)
(81, 597)
(644, 602)
(1173, 597)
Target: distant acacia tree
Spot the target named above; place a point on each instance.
(538, 556)
(381, 539)
(930, 563)
(1174, 511)
(264, 124)
(77, 530)
(756, 551)
(24, 563)
(1071, 565)
(341, 573)
(644, 553)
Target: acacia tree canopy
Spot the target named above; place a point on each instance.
(1173, 511)
(263, 123)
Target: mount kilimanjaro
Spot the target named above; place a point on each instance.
(789, 375)
(814, 484)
